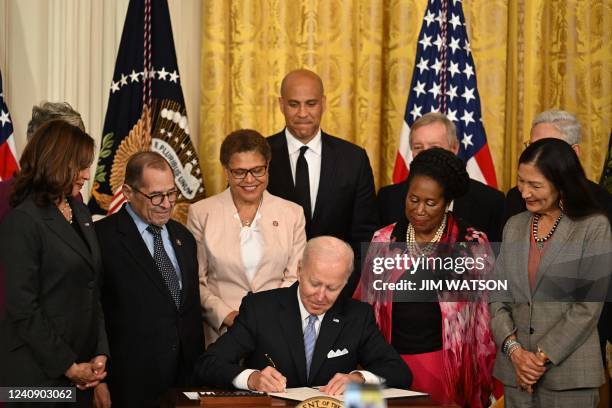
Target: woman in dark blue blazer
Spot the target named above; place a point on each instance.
(52, 329)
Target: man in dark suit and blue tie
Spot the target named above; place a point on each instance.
(329, 177)
(305, 335)
(150, 291)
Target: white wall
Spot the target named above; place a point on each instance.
(64, 50)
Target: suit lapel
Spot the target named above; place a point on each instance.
(60, 227)
(327, 176)
(328, 333)
(135, 246)
(231, 240)
(268, 226)
(517, 243)
(179, 250)
(291, 326)
(280, 168)
(520, 245)
(462, 205)
(558, 242)
(86, 226)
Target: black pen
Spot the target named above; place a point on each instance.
(270, 360)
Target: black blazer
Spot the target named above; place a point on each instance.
(269, 323)
(53, 315)
(481, 207)
(153, 346)
(344, 206)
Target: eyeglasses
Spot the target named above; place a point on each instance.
(158, 198)
(258, 171)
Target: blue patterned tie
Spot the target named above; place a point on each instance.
(310, 338)
(162, 260)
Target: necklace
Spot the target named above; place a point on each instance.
(534, 230)
(248, 221)
(411, 238)
(66, 210)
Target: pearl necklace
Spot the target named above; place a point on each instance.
(411, 237)
(534, 230)
(66, 211)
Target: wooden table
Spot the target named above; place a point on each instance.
(179, 400)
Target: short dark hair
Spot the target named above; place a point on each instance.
(51, 161)
(445, 168)
(138, 162)
(244, 140)
(559, 164)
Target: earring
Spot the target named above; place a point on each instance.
(561, 206)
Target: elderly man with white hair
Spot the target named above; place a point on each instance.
(304, 335)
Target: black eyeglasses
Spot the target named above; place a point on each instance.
(158, 198)
(258, 171)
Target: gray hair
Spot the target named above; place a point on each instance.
(565, 122)
(47, 111)
(436, 117)
(329, 248)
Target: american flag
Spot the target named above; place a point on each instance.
(444, 80)
(8, 162)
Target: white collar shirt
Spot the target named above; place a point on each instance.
(313, 158)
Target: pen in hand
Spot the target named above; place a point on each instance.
(270, 360)
(268, 379)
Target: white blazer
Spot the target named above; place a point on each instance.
(223, 281)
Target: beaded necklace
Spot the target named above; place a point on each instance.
(66, 210)
(534, 230)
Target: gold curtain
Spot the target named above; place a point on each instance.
(530, 55)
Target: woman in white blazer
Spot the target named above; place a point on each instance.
(248, 239)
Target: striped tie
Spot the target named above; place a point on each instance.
(310, 338)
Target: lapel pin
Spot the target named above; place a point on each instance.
(336, 320)
(86, 224)
(275, 223)
(178, 242)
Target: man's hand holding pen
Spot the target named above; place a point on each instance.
(267, 380)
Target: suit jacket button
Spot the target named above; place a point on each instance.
(531, 330)
(90, 284)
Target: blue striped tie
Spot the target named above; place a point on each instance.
(310, 338)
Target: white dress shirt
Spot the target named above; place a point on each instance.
(313, 158)
(241, 380)
(147, 237)
(251, 246)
